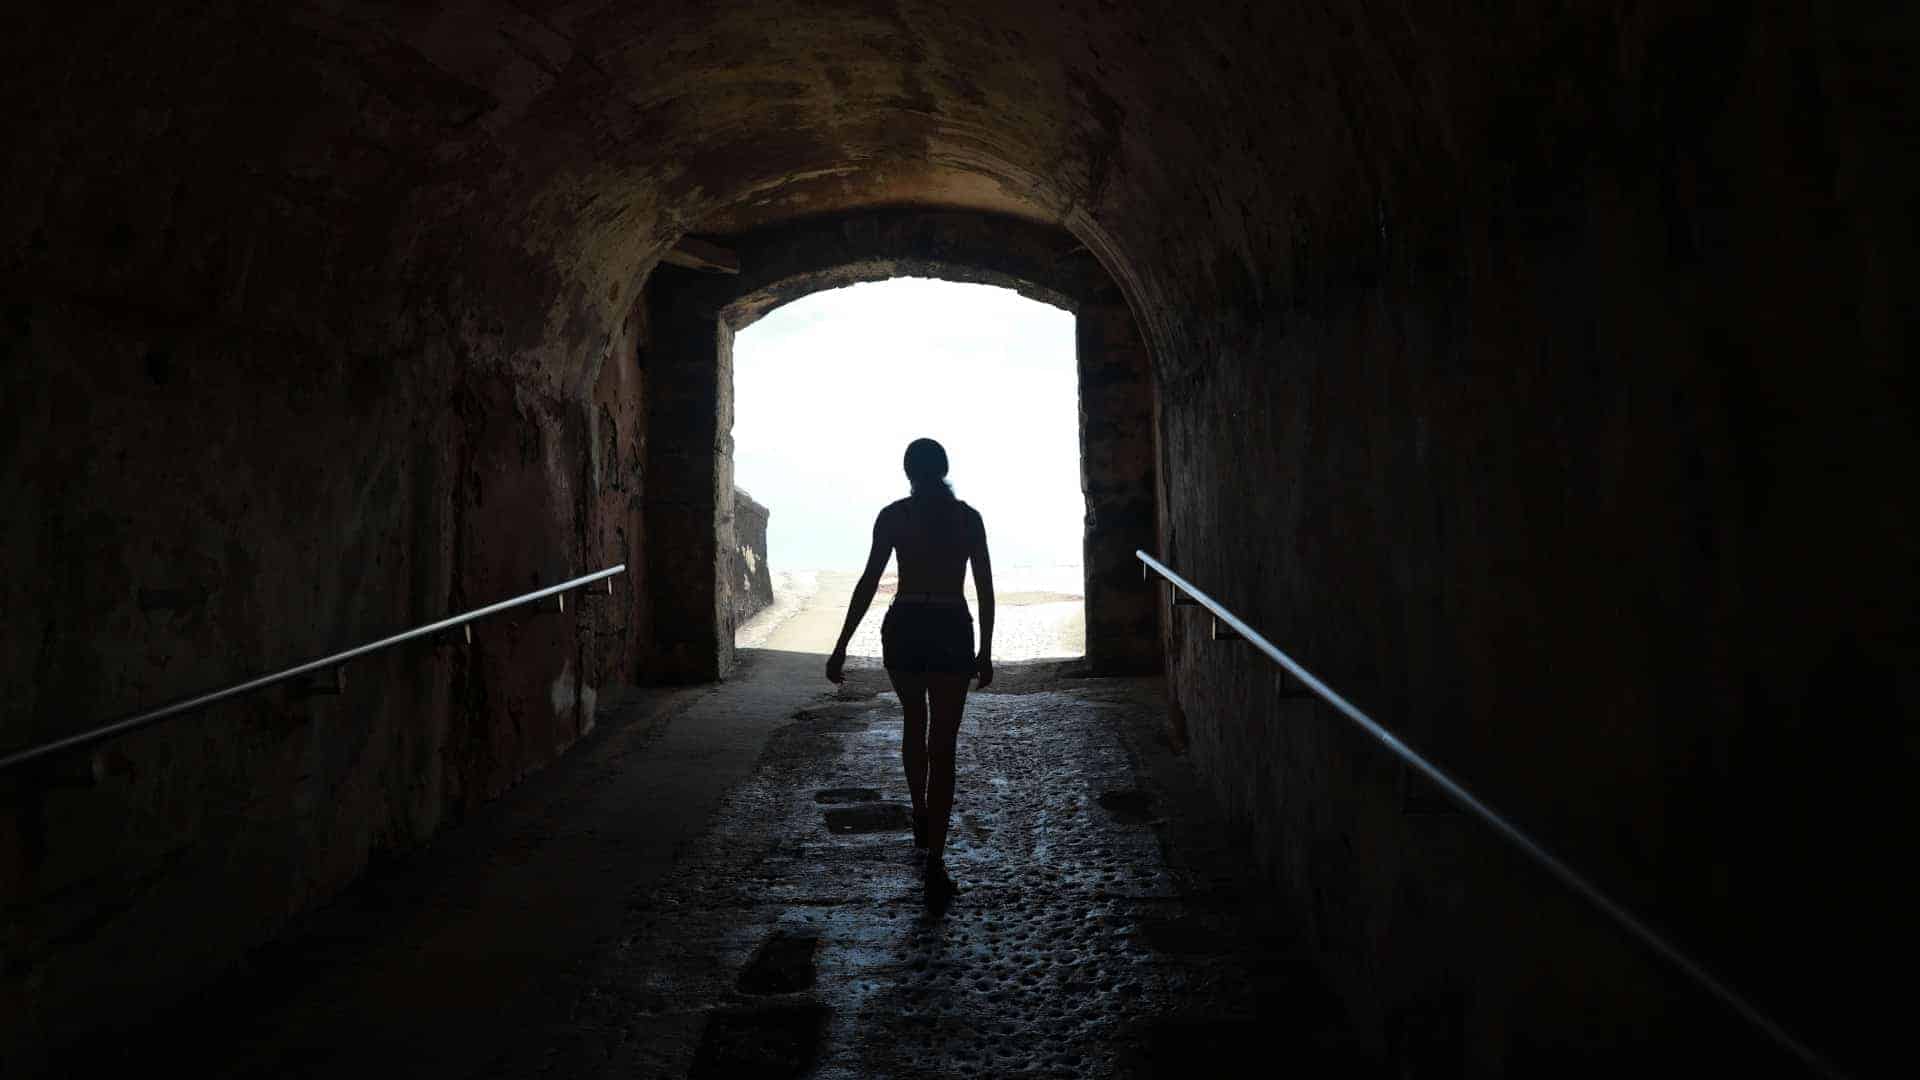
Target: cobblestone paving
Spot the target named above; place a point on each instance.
(1101, 928)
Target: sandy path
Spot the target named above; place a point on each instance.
(1039, 615)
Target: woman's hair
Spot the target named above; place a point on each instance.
(926, 464)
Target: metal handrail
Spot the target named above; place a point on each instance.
(140, 720)
(1460, 795)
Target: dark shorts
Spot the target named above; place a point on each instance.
(928, 639)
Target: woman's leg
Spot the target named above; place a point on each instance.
(912, 688)
(948, 700)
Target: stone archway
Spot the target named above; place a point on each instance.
(693, 316)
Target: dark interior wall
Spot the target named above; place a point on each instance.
(141, 570)
(270, 390)
(1539, 374)
(1568, 447)
(1117, 455)
(689, 506)
(195, 506)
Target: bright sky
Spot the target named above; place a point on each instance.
(828, 391)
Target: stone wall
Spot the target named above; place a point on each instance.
(175, 549)
(1537, 373)
(1118, 455)
(268, 392)
(1561, 440)
(752, 584)
(689, 507)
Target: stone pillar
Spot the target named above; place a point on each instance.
(689, 486)
(1117, 477)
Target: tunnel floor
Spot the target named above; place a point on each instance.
(719, 883)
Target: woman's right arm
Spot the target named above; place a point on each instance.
(862, 595)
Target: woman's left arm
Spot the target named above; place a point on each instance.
(862, 595)
(983, 595)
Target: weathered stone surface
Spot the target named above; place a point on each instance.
(868, 817)
(212, 501)
(1117, 458)
(783, 964)
(689, 519)
(763, 1041)
(752, 582)
(1538, 373)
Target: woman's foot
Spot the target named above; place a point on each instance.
(940, 886)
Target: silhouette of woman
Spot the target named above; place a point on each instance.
(927, 636)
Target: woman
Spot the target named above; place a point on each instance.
(927, 637)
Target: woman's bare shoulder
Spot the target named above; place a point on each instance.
(978, 523)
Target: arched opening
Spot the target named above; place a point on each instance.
(829, 388)
(697, 305)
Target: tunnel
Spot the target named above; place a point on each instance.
(1532, 375)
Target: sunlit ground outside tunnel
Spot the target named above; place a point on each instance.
(829, 390)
